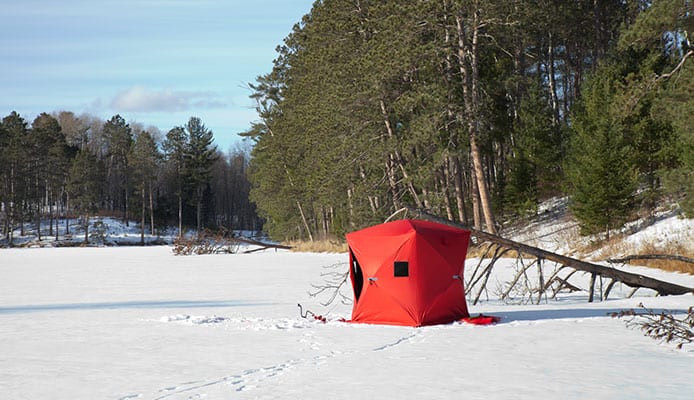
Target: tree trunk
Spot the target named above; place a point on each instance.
(454, 169)
(151, 210)
(67, 213)
(21, 216)
(350, 205)
(198, 212)
(446, 188)
(49, 203)
(668, 257)
(303, 219)
(470, 86)
(390, 163)
(13, 206)
(474, 193)
(38, 219)
(459, 192)
(551, 78)
(142, 218)
(180, 213)
(591, 289)
(86, 228)
(58, 204)
(126, 217)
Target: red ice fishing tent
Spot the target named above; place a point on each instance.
(408, 272)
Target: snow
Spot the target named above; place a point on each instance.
(553, 229)
(142, 323)
(102, 231)
(665, 230)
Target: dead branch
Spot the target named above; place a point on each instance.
(591, 289)
(554, 276)
(563, 284)
(220, 242)
(206, 242)
(498, 253)
(513, 285)
(667, 257)
(609, 288)
(677, 68)
(514, 281)
(541, 283)
(474, 273)
(655, 80)
(334, 278)
(663, 326)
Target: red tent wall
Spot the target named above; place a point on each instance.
(408, 272)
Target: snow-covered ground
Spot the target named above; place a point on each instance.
(554, 229)
(103, 231)
(142, 323)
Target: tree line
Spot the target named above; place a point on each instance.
(474, 110)
(63, 166)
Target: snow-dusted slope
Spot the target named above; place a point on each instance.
(127, 323)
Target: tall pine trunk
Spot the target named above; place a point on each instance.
(86, 228)
(67, 214)
(142, 217)
(470, 81)
(198, 211)
(151, 210)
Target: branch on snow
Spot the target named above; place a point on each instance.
(668, 257)
(663, 325)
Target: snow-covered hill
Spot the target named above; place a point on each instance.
(555, 230)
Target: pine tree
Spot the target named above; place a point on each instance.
(143, 161)
(119, 139)
(84, 185)
(601, 172)
(657, 98)
(60, 155)
(49, 154)
(4, 182)
(15, 170)
(174, 151)
(200, 154)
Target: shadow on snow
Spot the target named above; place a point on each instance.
(126, 305)
(576, 313)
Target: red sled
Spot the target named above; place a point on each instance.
(481, 320)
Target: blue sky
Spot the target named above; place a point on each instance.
(154, 62)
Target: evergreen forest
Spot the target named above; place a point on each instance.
(66, 166)
(472, 110)
(475, 111)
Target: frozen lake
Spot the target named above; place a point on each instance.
(127, 323)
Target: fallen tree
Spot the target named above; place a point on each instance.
(660, 257)
(223, 242)
(503, 245)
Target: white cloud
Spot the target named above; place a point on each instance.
(141, 99)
